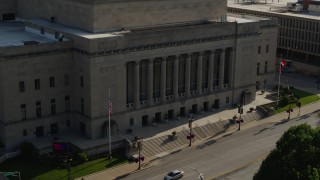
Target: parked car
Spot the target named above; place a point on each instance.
(175, 174)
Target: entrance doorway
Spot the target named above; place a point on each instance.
(206, 106)
(8, 17)
(157, 117)
(39, 131)
(182, 111)
(171, 114)
(82, 128)
(216, 104)
(194, 108)
(54, 128)
(145, 120)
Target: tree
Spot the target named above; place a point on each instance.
(296, 156)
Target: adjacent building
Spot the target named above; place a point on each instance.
(299, 29)
(63, 62)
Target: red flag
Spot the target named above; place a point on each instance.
(282, 64)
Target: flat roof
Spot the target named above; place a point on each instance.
(273, 7)
(14, 34)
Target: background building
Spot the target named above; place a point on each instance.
(299, 29)
(158, 59)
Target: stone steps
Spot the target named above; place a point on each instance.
(161, 144)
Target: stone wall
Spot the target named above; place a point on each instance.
(95, 16)
(7, 6)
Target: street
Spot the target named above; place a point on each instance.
(227, 158)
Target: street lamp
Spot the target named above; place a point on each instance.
(298, 103)
(140, 158)
(67, 162)
(191, 136)
(200, 174)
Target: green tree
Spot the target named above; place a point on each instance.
(296, 156)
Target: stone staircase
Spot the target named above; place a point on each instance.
(162, 144)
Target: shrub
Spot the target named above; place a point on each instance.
(284, 101)
(82, 157)
(174, 133)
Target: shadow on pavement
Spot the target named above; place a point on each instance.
(282, 122)
(122, 176)
(208, 143)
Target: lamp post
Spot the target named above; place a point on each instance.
(190, 132)
(200, 174)
(298, 103)
(68, 161)
(140, 158)
(290, 110)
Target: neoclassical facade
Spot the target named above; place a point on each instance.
(154, 70)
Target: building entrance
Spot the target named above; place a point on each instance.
(206, 106)
(157, 117)
(171, 114)
(39, 131)
(145, 120)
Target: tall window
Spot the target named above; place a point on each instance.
(38, 109)
(267, 48)
(67, 102)
(227, 100)
(82, 106)
(21, 86)
(66, 79)
(258, 68)
(259, 49)
(266, 67)
(81, 81)
(53, 106)
(23, 111)
(37, 84)
(52, 82)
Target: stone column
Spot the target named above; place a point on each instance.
(176, 77)
(231, 64)
(163, 80)
(187, 78)
(136, 83)
(150, 81)
(221, 68)
(199, 73)
(210, 73)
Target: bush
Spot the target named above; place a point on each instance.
(82, 157)
(29, 151)
(284, 101)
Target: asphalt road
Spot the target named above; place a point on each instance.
(237, 155)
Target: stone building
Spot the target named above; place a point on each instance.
(299, 31)
(158, 60)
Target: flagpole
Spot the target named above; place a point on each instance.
(279, 82)
(109, 131)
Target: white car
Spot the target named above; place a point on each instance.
(175, 174)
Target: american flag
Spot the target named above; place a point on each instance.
(110, 106)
